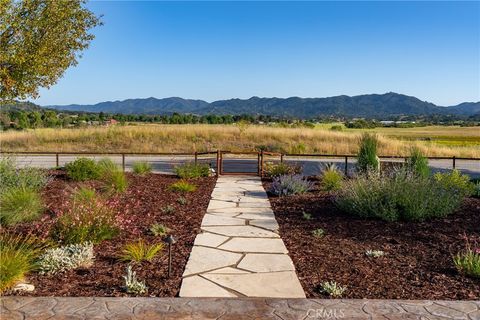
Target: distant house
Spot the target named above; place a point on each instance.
(110, 122)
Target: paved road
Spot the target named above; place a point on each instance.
(166, 164)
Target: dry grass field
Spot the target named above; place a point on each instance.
(434, 141)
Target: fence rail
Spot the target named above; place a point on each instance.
(218, 158)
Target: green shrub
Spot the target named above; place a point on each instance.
(65, 258)
(182, 186)
(476, 189)
(192, 170)
(83, 169)
(86, 221)
(159, 230)
(468, 261)
(367, 159)
(17, 256)
(19, 204)
(271, 169)
(455, 182)
(331, 178)
(401, 196)
(139, 251)
(417, 163)
(11, 177)
(290, 185)
(336, 128)
(142, 167)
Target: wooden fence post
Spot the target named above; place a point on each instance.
(123, 162)
(346, 166)
(261, 164)
(218, 163)
(281, 157)
(57, 160)
(454, 164)
(258, 164)
(196, 157)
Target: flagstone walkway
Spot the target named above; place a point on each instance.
(239, 252)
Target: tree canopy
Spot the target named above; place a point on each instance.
(39, 40)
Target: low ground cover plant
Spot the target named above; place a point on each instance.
(318, 233)
(192, 170)
(367, 159)
(17, 256)
(142, 167)
(132, 284)
(11, 177)
(468, 261)
(82, 169)
(333, 289)
(19, 204)
(65, 258)
(272, 169)
(374, 253)
(182, 200)
(290, 185)
(159, 230)
(88, 220)
(140, 251)
(331, 178)
(182, 186)
(403, 195)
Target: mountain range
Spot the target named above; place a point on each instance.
(369, 106)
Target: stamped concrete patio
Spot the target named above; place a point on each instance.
(239, 252)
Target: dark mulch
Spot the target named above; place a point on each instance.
(138, 208)
(418, 261)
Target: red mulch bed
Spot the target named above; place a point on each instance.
(139, 207)
(418, 256)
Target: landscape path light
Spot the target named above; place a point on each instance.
(170, 241)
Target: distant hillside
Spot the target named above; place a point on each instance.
(368, 106)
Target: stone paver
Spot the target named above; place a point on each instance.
(83, 308)
(239, 251)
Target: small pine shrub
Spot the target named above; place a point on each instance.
(139, 251)
(290, 185)
(279, 169)
(88, 220)
(17, 256)
(132, 284)
(367, 159)
(65, 258)
(192, 170)
(467, 261)
(182, 186)
(83, 169)
(318, 233)
(159, 230)
(182, 201)
(19, 204)
(333, 289)
(331, 178)
(417, 163)
(168, 209)
(142, 167)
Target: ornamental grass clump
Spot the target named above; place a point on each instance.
(142, 167)
(87, 220)
(112, 176)
(20, 204)
(331, 178)
(403, 195)
(290, 185)
(65, 258)
(140, 251)
(182, 186)
(17, 257)
(192, 170)
(418, 163)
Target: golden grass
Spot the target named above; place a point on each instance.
(190, 138)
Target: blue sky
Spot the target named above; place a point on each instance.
(221, 50)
